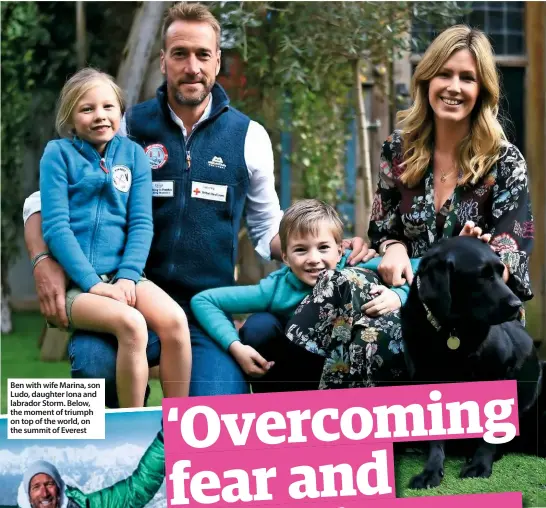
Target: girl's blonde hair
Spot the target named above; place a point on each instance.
(74, 89)
(480, 148)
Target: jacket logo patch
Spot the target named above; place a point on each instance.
(209, 191)
(122, 178)
(217, 162)
(158, 155)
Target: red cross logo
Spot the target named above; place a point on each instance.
(197, 192)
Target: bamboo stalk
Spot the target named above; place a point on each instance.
(364, 191)
(81, 34)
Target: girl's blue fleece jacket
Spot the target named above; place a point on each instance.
(97, 211)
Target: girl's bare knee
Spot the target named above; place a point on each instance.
(174, 328)
(132, 329)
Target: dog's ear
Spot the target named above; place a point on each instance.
(435, 287)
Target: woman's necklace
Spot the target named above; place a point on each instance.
(444, 175)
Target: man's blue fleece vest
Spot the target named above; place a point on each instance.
(195, 240)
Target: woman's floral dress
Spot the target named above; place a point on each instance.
(364, 351)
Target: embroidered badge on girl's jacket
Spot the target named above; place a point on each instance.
(122, 178)
(158, 155)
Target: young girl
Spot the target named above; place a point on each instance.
(97, 222)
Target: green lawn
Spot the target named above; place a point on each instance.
(512, 473)
(20, 357)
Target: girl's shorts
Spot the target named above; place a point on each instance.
(73, 291)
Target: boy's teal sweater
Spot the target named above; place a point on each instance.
(280, 293)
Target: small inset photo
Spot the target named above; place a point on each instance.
(126, 469)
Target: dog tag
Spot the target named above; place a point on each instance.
(453, 342)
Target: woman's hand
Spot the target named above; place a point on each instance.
(360, 250)
(386, 301)
(128, 287)
(470, 229)
(252, 363)
(395, 267)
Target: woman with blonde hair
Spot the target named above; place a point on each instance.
(448, 171)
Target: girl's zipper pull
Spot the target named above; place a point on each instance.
(102, 164)
(188, 160)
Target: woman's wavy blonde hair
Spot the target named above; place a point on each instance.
(480, 149)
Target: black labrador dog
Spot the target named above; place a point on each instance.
(460, 324)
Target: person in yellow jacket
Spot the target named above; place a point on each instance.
(43, 487)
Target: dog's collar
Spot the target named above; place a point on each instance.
(453, 342)
(430, 317)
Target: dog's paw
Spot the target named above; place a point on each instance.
(427, 479)
(477, 469)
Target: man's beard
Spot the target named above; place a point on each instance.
(192, 101)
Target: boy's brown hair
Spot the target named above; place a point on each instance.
(186, 11)
(305, 216)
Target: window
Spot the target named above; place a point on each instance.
(503, 22)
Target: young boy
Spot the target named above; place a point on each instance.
(310, 233)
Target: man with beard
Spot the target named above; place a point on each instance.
(208, 162)
(43, 487)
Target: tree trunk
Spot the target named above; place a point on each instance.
(136, 55)
(364, 191)
(81, 34)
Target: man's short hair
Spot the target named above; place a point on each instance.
(186, 11)
(304, 217)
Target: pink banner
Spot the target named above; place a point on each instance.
(501, 500)
(283, 476)
(278, 448)
(498, 500)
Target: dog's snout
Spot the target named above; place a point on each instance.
(510, 299)
(515, 302)
(511, 306)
